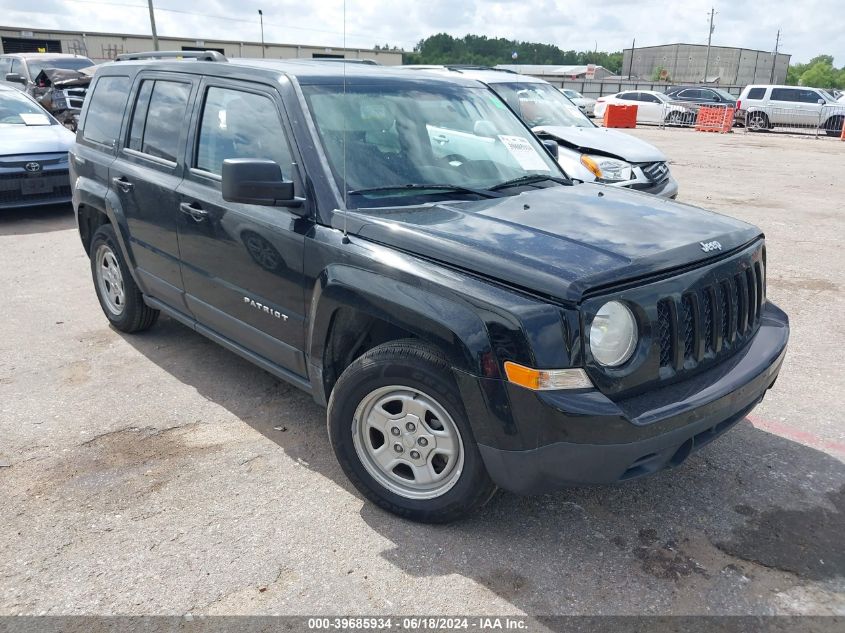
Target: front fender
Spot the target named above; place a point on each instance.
(453, 327)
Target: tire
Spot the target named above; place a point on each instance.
(674, 118)
(833, 126)
(119, 296)
(402, 394)
(757, 122)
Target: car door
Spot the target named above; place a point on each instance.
(145, 175)
(650, 108)
(242, 263)
(789, 110)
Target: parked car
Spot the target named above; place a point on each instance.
(62, 92)
(652, 107)
(469, 315)
(585, 104)
(21, 69)
(56, 76)
(33, 153)
(586, 152)
(701, 95)
(765, 107)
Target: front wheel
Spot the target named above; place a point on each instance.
(833, 126)
(398, 428)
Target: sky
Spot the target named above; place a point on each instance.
(808, 28)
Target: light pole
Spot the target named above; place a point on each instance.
(153, 24)
(261, 18)
(709, 37)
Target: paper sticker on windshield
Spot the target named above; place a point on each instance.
(34, 118)
(524, 153)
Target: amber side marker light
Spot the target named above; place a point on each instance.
(547, 379)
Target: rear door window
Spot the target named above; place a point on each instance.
(159, 118)
(628, 96)
(105, 110)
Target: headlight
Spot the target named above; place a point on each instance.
(613, 334)
(607, 169)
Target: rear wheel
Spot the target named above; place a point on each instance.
(119, 296)
(833, 126)
(757, 122)
(399, 430)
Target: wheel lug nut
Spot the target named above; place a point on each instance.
(415, 455)
(411, 427)
(395, 430)
(422, 441)
(398, 448)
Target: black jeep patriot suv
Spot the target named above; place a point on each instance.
(401, 247)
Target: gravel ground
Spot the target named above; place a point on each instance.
(160, 474)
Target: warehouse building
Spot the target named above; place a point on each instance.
(685, 63)
(102, 47)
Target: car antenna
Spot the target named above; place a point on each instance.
(345, 192)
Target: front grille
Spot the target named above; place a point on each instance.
(735, 303)
(655, 172)
(75, 97)
(690, 322)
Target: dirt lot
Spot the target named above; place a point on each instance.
(161, 474)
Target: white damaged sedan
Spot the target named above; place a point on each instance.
(586, 152)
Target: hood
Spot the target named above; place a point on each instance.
(34, 139)
(606, 141)
(558, 241)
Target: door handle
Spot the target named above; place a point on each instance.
(124, 185)
(195, 212)
(441, 138)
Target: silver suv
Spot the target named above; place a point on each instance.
(767, 107)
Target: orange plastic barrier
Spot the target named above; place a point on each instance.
(712, 119)
(842, 138)
(620, 116)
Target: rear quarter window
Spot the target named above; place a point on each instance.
(756, 93)
(105, 110)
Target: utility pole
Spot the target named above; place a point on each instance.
(261, 17)
(153, 24)
(709, 38)
(631, 63)
(775, 58)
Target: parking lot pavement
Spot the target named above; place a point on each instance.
(158, 473)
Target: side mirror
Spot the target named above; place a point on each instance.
(820, 101)
(257, 181)
(717, 99)
(552, 146)
(15, 78)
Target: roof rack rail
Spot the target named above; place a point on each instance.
(200, 56)
(460, 67)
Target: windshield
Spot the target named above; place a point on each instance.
(461, 141)
(659, 95)
(541, 104)
(16, 109)
(70, 63)
(572, 94)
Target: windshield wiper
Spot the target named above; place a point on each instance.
(529, 179)
(434, 187)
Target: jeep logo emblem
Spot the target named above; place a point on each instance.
(32, 167)
(710, 246)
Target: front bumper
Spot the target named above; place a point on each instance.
(666, 189)
(584, 437)
(49, 185)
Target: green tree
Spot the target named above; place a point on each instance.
(819, 72)
(442, 48)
